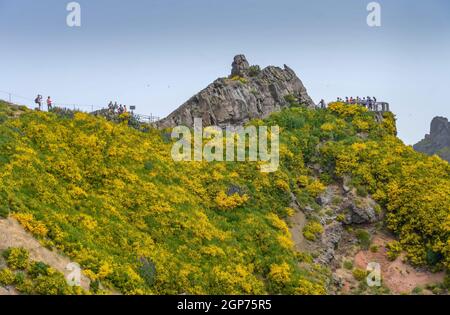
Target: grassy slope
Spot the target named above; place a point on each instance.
(111, 198)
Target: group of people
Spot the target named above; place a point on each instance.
(115, 108)
(368, 101)
(38, 101)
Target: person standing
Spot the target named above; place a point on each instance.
(38, 101)
(322, 104)
(370, 103)
(49, 103)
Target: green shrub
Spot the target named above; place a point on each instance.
(4, 211)
(16, 258)
(374, 248)
(417, 290)
(20, 278)
(304, 257)
(378, 209)
(312, 230)
(432, 257)
(359, 274)
(446, 282)
(361, 191)
(363, 238)
(55, 284)
(26, 287)
(348, 265)
(253, 71)
(38, 269)
(292, 100)
(337, 200)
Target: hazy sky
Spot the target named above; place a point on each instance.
(155, 54)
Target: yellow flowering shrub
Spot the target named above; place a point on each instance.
(30, 224)
(226, 202)
(312, 230)
(327, 127)
(306, 287)
(315, 188)
(16, 258)
(7, 277)
(280, 273)
(346, 110)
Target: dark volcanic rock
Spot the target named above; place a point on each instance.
(438, 141)
(239, 66)
(244, 96)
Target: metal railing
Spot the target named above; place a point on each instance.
(149, 119)
(10, 97)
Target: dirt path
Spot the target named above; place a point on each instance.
(297, 222)
(13, 235)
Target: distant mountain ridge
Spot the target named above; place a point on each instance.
(438, 141)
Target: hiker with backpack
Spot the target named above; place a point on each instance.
(38, 101)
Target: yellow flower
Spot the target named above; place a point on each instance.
(230, 202)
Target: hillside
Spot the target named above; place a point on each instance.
(112, 199)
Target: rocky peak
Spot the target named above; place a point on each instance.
(240, 66)
(438, 141)
(249, 93)
(440, 131)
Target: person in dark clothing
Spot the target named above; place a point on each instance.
(38, 101)
(322, 104)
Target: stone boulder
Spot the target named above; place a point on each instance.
(360, 210)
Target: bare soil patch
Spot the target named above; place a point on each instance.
(397, 275)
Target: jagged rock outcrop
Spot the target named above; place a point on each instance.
(340, 206)
(438, 141)
(247, 94)
(240, 66)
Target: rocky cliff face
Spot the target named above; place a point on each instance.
(438, 141)
(246, 94)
